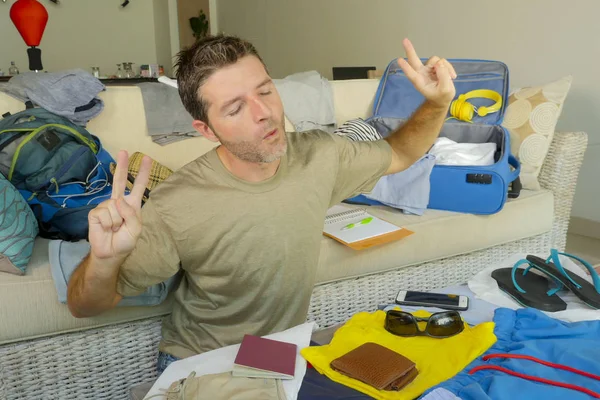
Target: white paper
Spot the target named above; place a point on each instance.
(334, 225)
(486, 288)
(221, 360)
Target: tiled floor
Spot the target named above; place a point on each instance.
(585, 247)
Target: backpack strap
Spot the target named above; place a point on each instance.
(28, 105)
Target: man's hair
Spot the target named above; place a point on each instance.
(198, 62)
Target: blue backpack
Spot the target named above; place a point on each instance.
(59, 168)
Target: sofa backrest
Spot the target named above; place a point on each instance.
(122, 123)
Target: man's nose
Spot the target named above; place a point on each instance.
(260, 110)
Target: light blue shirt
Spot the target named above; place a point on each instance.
(407, 190)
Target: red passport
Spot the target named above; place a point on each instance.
(265, 358)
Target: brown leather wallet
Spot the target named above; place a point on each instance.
(377, 366)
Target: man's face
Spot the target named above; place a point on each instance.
(245, 111)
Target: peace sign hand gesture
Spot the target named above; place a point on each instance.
(115, 225)
(433, 80)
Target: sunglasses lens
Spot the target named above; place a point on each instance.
(400, 323)
(445, 324)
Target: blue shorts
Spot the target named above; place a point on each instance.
(524, 335)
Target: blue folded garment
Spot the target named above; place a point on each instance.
(407, 190)
(65, 257)
(532, 333)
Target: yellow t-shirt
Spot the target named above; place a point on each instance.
(437, 360)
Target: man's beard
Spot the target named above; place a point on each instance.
(251, 151)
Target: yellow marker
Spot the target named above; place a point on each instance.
(363, 222)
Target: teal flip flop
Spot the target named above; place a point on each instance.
(588, 293)
(529, 289)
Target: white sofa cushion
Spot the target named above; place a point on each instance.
(30, 303)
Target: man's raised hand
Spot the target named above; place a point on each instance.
(115, 224)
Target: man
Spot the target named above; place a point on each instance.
(243, 221)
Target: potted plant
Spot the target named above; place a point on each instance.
(199, 25)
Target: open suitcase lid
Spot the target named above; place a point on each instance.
(396, 97)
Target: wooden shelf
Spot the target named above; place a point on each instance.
(107, 81)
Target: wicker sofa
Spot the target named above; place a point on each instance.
(45, 353)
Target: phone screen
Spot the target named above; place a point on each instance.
(436, 298)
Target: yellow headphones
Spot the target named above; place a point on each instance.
(464, 111)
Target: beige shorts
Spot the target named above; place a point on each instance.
(226, 387)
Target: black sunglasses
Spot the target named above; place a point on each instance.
(439, 325)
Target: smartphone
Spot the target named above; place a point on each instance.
(427, 299)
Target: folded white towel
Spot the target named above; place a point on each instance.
(449, 152)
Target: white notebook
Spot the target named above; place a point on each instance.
(339, 217)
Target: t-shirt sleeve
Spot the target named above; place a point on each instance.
(154, 258)
(361, 164)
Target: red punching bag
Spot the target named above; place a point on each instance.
(30, 18)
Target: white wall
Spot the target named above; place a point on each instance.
(162, 36)
(86, 33)
(540, 40)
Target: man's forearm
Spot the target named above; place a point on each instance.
(412, 140)
(92, 287)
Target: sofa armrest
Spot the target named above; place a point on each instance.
(559, 174)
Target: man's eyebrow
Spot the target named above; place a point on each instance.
(263, 83)
(230, 102)
(239, 98)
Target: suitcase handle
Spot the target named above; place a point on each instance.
(512, 160)
(515, 189)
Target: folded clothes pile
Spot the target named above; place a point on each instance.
(72, 94)
(383, 355)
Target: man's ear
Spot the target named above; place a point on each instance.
(205, 130)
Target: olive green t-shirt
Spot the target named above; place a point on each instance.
(249, 251)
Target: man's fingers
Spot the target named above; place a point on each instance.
(432, 61)
(444, 78)
(411, 54)
(101, 216)
(141, 181)
(435, 59)
(450, 67)
(120, 176)
(131, 217)
(116, 218)
(409, 71)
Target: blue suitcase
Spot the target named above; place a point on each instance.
(468, 189)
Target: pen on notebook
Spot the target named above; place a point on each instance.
(362, 222)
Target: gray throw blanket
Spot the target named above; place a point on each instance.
(167, 119)
(307, 100)
(71, 93)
